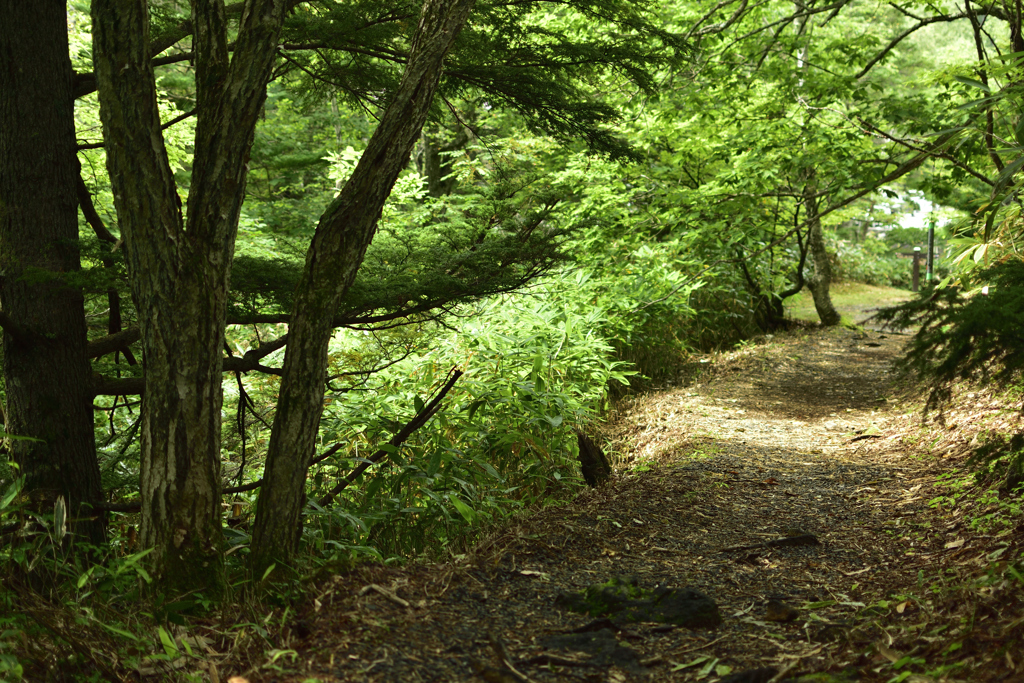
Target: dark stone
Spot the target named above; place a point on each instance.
(788, 541)
(626, 602)
(683, 607)
(780, 611)
(593, 462)
(762, 675)
(602, 646)
(597, 625)
(828, 633)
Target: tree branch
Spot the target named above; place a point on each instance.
(85, 83)
(113, 342)
(89, 212)
(163, 126)
(124, 386)
(898, 39)
(421, 419)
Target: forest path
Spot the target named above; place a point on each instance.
(782, 439)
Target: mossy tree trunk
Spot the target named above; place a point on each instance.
(821, 281)
(179, 270)
(45, 367)
(339, 244)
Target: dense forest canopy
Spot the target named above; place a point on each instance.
(359, 273)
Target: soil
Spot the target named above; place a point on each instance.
(797, 437)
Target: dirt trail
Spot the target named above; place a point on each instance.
(772, 444)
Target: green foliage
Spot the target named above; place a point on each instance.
(533, 58)
(432, 253)
(534, 369)
(626, 267)
(966, 334)
(971, 336)
(1001, 456)
(870, 261)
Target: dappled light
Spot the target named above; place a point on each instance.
(547, 340)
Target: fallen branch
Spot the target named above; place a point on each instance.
(396, 441)
(386, 593)
(259, 482)
(418, 421)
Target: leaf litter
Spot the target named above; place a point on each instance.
(781, 484)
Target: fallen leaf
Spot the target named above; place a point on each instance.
(891, 655)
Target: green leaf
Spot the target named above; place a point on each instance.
(1018, 132)
(372, 488)
(60, 519)
(973, 83)
(121, 632)
(1008, 171)
(708, 668)
(84, 578)
(699, 660)
(473, 407)
(169, 646)
(12, 492)
(393, 453)
(490, 470)
(5, 435)
(980, 252)
(435, 463)
(468, 513)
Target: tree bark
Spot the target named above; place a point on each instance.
(819, 284)
(339, 244)
(437, 165)
(46, 372)
(179, 271)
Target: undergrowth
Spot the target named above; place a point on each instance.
(962, 616)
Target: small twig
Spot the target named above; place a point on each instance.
(505, 659)
(783, 671)
(386, 593)
(555, 660)
(697, 647)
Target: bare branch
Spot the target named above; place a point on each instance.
(125, 386)
(113, 342)
(397, 440)
(163, 126)
(89, 211)
(898, 39)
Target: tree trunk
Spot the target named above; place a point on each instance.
(45, 367)
(437, 164)
(342, 236)
(819, 284)
(179, 272)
